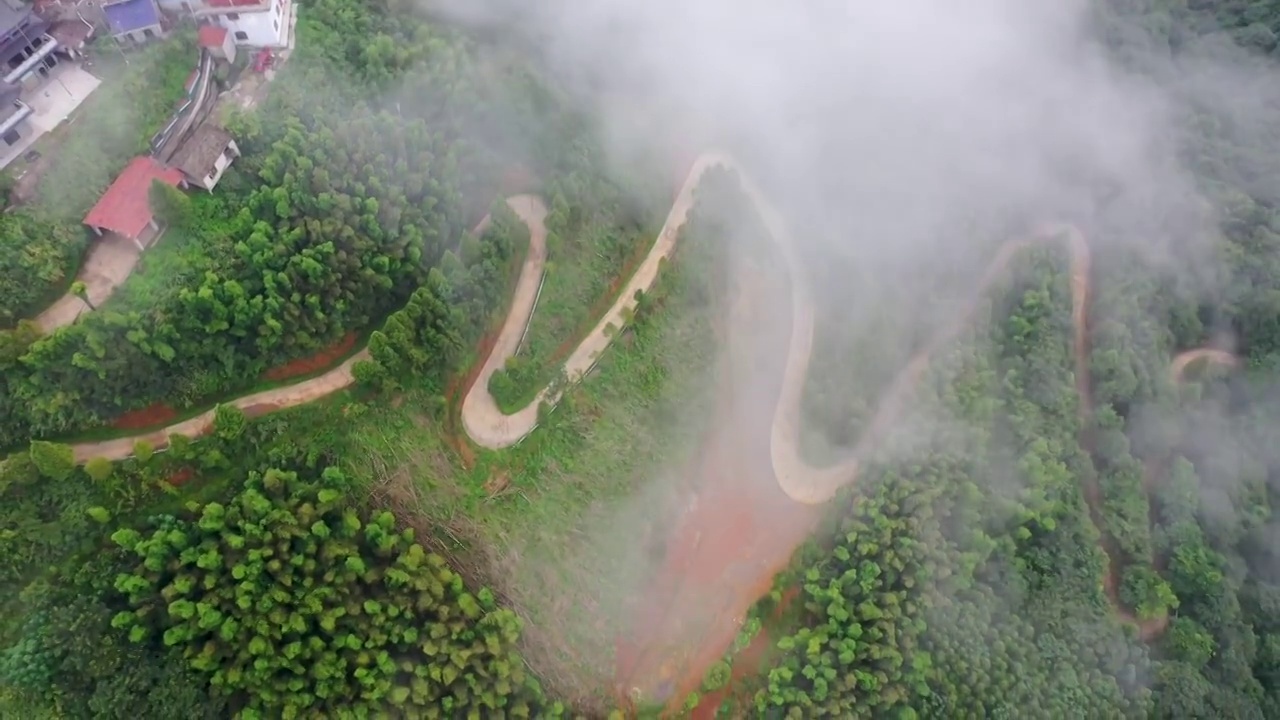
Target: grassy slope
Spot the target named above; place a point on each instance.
(559, 524)
(583, 266)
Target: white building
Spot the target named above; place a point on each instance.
(252, 23)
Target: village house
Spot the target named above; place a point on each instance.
(133, 21)
(125, 208)
(41, 84)
(26, 48)
(205, 156)
(72, 36)
(251, 23)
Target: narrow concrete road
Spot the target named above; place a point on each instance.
(483, 421)
(481, 418)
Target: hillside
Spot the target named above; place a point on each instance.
(937, 384)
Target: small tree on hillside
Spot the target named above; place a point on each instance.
(54, 460)
(99, 469)
(142, 450)
(80, 290)
(170, 205)
(229, 422)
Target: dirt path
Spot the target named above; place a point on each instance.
(529, 208)
(491, 428)
(255, 404)
(109, 262)
(1178, 367)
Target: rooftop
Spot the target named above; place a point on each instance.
(70, 33)
(222, 7)
(129, 15)
(197, 154)
(28, 30)
(125, 208)
(212, 36)
(11, 19)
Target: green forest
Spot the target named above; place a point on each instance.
(1089, 534)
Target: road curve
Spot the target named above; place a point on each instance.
(489, 427)
(1213, 356)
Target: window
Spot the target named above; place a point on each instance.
(233, 16)
(12, 137)
(242, 35)
(276, 24)
(148, 33)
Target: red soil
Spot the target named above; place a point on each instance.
(722, 554)
(181, 475)
(147, 417)
(259, 409)
(322, 360)
(747, 664)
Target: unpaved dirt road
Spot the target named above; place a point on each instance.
(490, 427)
(108, 263)
(275, 398)
(481, 418)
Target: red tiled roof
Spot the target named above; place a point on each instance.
(124, 208)
(212, 36)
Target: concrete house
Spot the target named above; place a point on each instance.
(40, 82)
(133, 21)
(252, 23)
(26, 48)
(72, 36)
(13, 116)
(205, 156)
(124, 209)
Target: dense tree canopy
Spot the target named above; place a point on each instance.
(292, 598)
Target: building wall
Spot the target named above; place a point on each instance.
(17, 134)
(228, 49)
(202, 5)
(259, 29)
(139, 36)
(220, 166)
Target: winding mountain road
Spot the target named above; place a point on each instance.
(491, 428)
